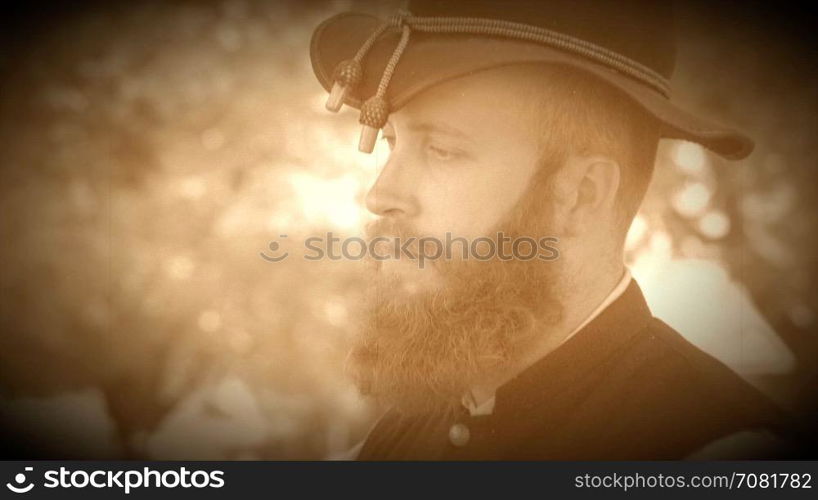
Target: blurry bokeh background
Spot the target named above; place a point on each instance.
(151, 151)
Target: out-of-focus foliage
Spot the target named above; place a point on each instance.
(151, 152)
(752, 67)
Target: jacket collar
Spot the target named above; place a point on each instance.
(564, 367)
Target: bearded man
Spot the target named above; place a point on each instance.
(530, 119)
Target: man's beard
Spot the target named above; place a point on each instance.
(423, 351)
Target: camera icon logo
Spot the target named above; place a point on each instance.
(20, 478)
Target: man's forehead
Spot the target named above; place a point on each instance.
(481, 95)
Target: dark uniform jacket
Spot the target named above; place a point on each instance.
(625, 387)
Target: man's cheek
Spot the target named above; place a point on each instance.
(453, 205)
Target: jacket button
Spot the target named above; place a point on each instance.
(459, 435)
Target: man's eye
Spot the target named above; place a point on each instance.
(440, 154)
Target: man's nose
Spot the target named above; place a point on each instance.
(393, 192)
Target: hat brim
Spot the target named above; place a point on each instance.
(430, 59)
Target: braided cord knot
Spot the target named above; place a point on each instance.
(374, 112)
(348, 73)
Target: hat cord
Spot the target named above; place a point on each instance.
(348, 73)
(375, 110)
(526, 32)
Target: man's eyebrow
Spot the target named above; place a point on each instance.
(441, 128)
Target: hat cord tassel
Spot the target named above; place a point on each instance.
(375, 111)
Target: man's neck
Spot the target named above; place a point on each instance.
(578, 309)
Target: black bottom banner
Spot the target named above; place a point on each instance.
(124, 479)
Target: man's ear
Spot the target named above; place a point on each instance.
(594, 181)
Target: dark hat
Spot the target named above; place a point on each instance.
(378, 66)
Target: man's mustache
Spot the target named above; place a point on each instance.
(399, 238)
(386, 227)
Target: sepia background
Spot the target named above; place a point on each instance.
(151, 151)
